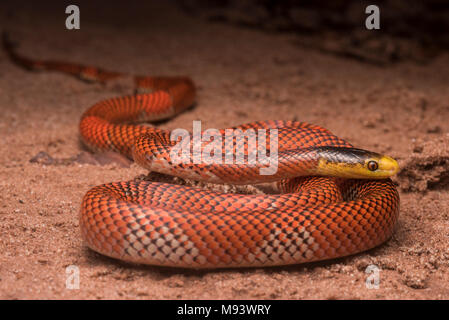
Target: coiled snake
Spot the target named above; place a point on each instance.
(322, 212)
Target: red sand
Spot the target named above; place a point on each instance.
(242, 75)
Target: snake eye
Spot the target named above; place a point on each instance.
(372, 165)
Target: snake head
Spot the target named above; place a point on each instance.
(354, 163)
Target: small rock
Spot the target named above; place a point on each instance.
(418, 149)
(112, 157)
(85, 158)
(43, 158)
(435, 129)
(416, 281)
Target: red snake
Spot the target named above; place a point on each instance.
(314, 218)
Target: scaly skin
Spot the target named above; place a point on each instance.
(316, 218)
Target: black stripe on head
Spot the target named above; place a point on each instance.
(345, 155)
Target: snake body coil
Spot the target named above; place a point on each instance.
(315, 218)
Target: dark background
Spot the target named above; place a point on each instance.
(409, 30)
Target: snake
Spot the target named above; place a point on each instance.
(334, 200)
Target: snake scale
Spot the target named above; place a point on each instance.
(335, 200)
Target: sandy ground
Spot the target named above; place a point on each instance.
(242, 75)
